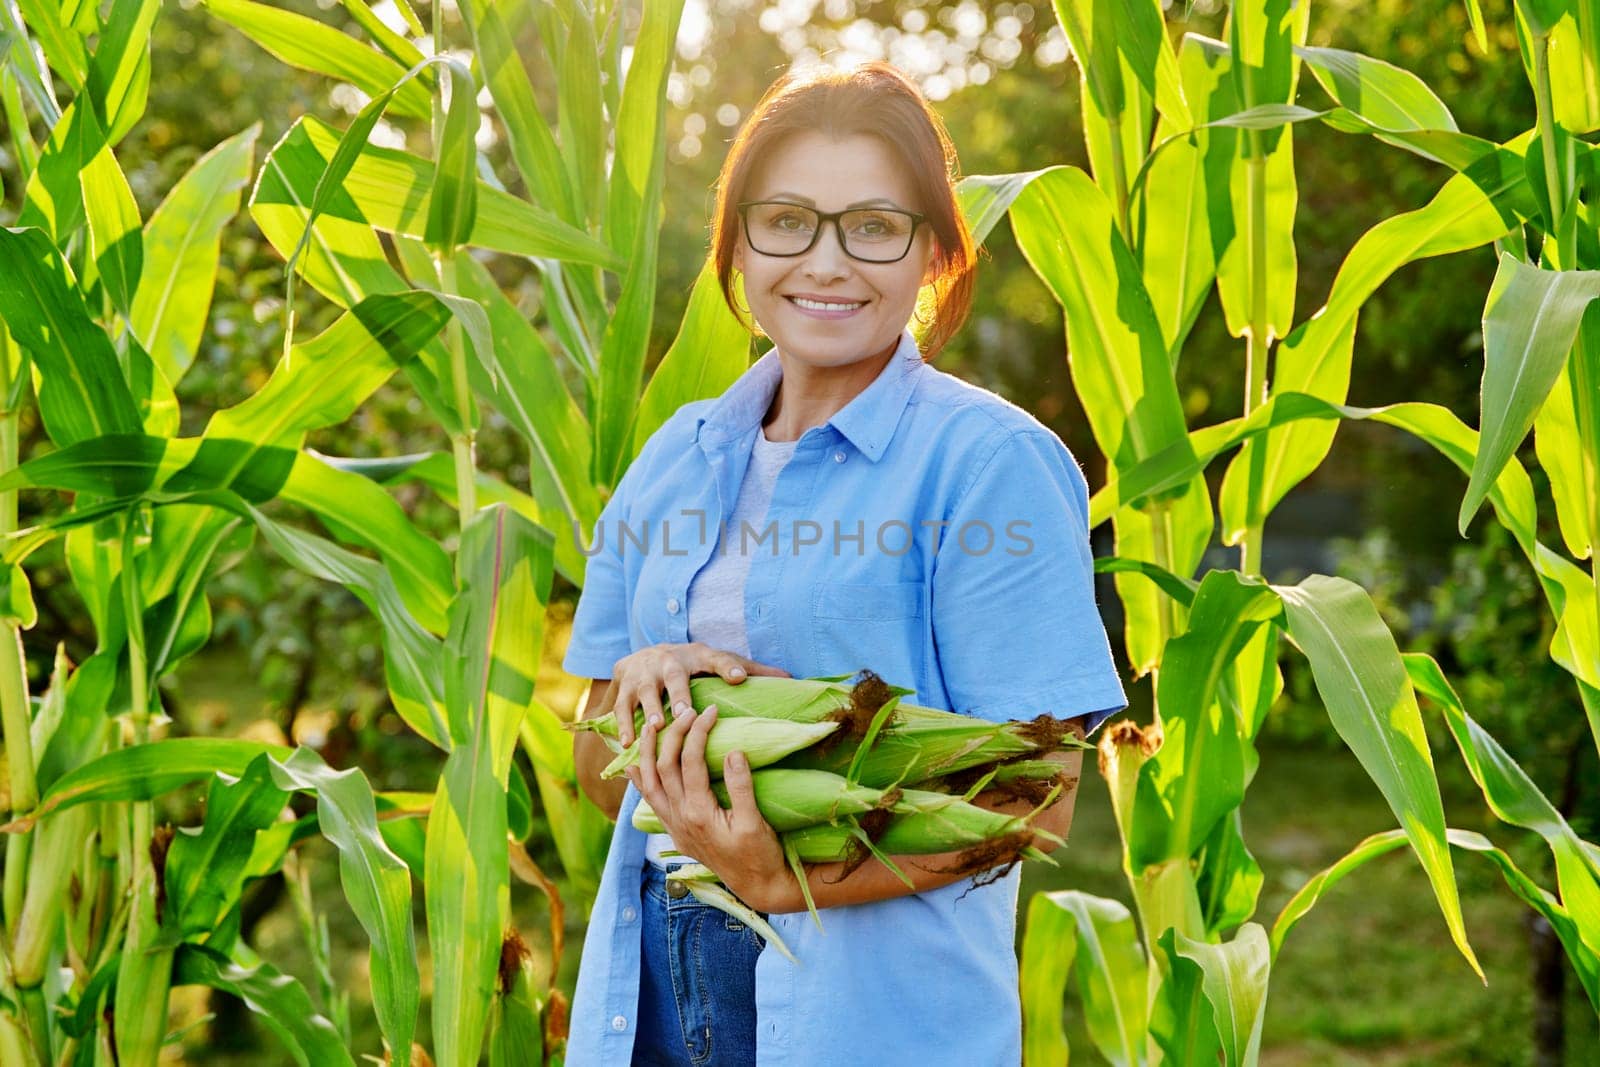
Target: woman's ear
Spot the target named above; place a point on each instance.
(738, 255)
(930, 272)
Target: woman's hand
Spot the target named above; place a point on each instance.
(738, 844)
(639, 677)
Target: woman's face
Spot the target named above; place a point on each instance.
(870, 302)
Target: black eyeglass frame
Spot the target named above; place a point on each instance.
(823, 218)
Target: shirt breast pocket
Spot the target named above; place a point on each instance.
(872, 625)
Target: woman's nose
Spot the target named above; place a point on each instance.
(827, 258)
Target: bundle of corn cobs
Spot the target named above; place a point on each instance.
(844, 772)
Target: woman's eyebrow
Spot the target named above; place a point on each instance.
(883, 201)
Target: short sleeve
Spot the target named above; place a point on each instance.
(600, 634)
(1015, 623)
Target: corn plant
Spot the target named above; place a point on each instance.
(104, 312)
(1191, 187)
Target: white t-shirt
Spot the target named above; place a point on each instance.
(716, 593)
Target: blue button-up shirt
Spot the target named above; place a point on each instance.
(931, 531)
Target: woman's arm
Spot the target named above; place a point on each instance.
(873, 881)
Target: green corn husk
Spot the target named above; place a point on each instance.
(924, 748)
(763, 742)
(790, 799)
(516, 1026)
(758, 696)
(923, 823)
(1025, 777)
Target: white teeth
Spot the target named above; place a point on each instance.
(819, 305)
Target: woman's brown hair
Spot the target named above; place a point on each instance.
(875, 100)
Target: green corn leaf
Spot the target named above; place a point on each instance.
(709, 353)
(326, 379)
(496, 630)
(1471, 209)
(1228, 983)
(53, 198)
(311, 45)
(1306, 897)
(376, 883)
(1515, 799)
(453, 205)
(1206, 760)
(1120, 368)
(63, 48)
(1372, 705)
(1098, 935)
(1541, 15)
(119, 70)
(641, 134)
(1229, 880)
(206, 867)
(632, 228)
(1118, 358)
(229, 474)
(397, 47)
(531, 394)
(496, 26)
(391, 190)
(1529, 325)
(116, 237)
(985, 199)
(1264, 70)
(279, 1001)
(144, 772)
(1583, 959)
(82, 393)
(410, 653)
(1574, 89)
(1559, 445)
(1183, 209)
(1126, 64)
(182, 243)
(1388, 96)
(581, 119)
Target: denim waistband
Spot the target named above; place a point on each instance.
(654, 887)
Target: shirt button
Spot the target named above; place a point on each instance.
(672, 605)
(618, 1023)
(628, 914)
(838, 457)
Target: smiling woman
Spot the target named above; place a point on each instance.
(903, 521)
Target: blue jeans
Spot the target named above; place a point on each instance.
(697, 982)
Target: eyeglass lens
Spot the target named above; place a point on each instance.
(872, 234)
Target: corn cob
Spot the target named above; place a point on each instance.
(833, 758)
(763, 741)
(923, 823)
(790, 799)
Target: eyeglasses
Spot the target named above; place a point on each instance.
(872, 235)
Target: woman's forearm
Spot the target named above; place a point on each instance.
(590, 756)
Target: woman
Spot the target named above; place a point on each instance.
(842, 505)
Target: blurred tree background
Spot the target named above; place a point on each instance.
(1002, 77)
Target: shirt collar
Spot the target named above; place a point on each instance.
(868, 421)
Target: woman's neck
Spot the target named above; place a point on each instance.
(808, 396)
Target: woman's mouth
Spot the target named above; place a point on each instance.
(827, 309)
